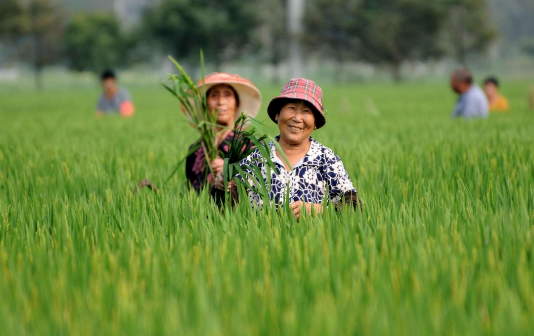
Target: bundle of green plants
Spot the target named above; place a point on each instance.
(193, 103)
(249, 136)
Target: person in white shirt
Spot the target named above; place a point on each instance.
(472, 102)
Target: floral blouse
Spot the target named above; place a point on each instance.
(196, 170)
(319, 172)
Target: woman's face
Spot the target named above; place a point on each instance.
(491, 90)
(296, 122)
(221, 99)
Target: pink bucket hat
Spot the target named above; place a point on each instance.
(300, 89)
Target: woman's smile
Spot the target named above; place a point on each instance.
(295, 129)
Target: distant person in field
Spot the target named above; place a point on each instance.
(472, 102)
(114, 100)
(497, 102)
(227, 95)
(314, 176)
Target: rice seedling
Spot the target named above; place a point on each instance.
(192, 99)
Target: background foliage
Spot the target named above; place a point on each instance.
(95, 42)
(376, 32)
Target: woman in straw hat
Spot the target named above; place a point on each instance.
(228, 96)
(314, 173)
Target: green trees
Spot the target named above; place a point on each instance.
(223, 29)
(333, 29)
(11, 26)
(94, 42)
(33, 31)
(381, 32)
(386, 33)
(393, 32)
(11, 22)
(46, 22)
(390, 32)
(515, 24)
(271, 38)
(468, 29)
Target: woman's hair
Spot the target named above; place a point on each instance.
(108, 74)
(492, 80)
(228, 86)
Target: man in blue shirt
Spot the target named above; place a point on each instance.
(114, 100)
(472, 102)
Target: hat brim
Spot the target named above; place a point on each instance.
(277, 103)
(249, 96)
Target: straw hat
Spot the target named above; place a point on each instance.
(300, 89)
(249, 95)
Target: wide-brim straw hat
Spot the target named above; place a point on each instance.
(300, 89)
(249, 95)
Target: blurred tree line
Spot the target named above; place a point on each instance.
(517, 24)
(380, 32)
(34, 29)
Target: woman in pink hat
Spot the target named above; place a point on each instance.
(314, 173)
(228, 95)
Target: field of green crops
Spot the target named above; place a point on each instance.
(445, 244)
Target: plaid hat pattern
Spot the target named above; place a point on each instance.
(300, 89)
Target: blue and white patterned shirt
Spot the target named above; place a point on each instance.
(320, 170)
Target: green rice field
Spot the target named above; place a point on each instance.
(444, 246)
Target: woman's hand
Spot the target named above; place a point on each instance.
(297, 206)
(217, 165)
(219, 182)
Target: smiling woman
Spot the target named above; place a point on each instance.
(312, 173)
(226, 96)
